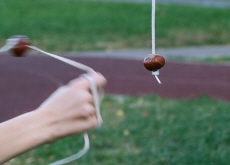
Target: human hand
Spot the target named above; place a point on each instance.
(70, 109)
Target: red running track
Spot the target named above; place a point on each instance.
(26, 82)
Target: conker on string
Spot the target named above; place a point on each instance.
(20, 48)
(154, 62)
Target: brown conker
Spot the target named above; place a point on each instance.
(153, 62)
(20, 48)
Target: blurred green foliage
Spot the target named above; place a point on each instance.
(149, 130)
(74, 25)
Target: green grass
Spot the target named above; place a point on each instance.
(149, 131)
(219, 60)
(76, 25)
(223, 60)
(219, 0)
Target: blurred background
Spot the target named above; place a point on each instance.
(145, 129)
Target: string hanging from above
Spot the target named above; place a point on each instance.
(153, 27)
(153, 62)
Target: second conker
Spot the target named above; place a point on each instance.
(20, 48)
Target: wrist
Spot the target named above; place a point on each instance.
(45, 128)
(38, 130)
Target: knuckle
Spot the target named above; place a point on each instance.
(90, 109)
(73, 82)
(100, 80)
(78, 83)
(87, 96)
(93, 122)
(62, 89)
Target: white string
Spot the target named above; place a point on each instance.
(153, 27)
(155, 73)
(68, 61)
(76, 156)
(12, 42)
(95, 97)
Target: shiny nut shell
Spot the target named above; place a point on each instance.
(154, 62)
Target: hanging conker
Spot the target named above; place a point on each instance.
(20, 48)
(154, 62)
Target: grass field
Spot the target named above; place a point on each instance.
(149, 131)
(137, 131)
(76, 25)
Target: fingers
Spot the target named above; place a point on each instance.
(99, 79)
(84, 117)
(86, 97)
(84, 110)
(83, 83)
(86, 125)
(87, 111)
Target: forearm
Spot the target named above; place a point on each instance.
(22, 134)
(68, 111)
